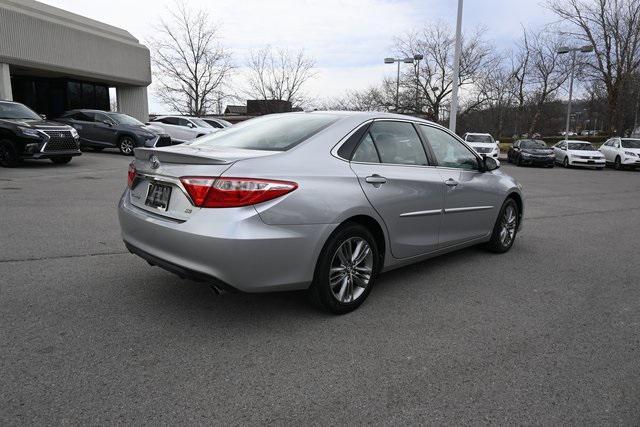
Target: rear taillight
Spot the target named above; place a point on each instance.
(223, 192)
(131, 175)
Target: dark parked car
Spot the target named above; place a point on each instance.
(105, 129)
(217, 123)
(26, 135)
(531, 152)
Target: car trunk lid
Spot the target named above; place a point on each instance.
(157, 188)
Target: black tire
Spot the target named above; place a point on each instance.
(322, 293)
(508, 158)
(61, 160)
(498, 243)
(518, 162)
(8, 156)
(617, 164)
(126, 144)
(565, 162)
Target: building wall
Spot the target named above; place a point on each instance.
(133, 101)
(31, 35)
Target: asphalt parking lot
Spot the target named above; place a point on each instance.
(548, 333)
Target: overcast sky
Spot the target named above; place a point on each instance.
(347, 38)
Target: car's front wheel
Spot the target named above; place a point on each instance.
(505, 228)
(126, 145)
(617, 164)
(8, 156)
(346, 270)
(565, 162)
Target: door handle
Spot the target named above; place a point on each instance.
(451, 182)
(375, 179)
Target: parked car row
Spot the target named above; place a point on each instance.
(617, 152)
(26, 135)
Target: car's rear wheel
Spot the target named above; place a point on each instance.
(617, 164)
(518, 161)
(346, 270)
(61, 160)
(8, 156)
(126, 145)
(505, 228)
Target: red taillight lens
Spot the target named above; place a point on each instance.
(131, 175)
(209, 192)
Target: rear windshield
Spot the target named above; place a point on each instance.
(480, 138)
(275, 132)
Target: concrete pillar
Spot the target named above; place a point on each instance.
(5, 83)
(132, 100)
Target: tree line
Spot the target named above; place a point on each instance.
(519, 90)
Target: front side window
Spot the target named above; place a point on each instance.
(123, 119)
(274, 132)
(448, 150)
(398, 143)
(169, 120)
(102, 118)
(201, 123)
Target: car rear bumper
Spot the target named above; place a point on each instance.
(228, 247)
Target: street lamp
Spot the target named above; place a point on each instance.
(456, 69)
(565, 49)
(418, 57)
(398, 60)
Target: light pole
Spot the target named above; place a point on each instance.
(456, 69)
(572, 50)
(398, 60)
(418, 57)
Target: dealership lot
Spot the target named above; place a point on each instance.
(546, 333)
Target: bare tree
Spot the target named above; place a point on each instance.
(190, 64)
(546, 70)
(613, 28)
(435, 77)
(278, 74)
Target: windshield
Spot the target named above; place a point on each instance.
(533, 144)
(487, 139)
(123, 119)
(10, 110)
(630, 143)
(201, 123)
(581, 146)
(275, 132)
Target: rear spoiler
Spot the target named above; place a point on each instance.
(180, 158)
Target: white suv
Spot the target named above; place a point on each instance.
(483, 143)
(622, 152)
(183, 129)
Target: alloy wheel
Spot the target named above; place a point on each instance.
(351, 269)
(126, 146)
(508, 225)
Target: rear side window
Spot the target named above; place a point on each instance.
(398, 143)
(275, 132)
(366, 151)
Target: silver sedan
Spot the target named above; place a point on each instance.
(323, 201)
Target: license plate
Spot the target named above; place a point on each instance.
(158, 196)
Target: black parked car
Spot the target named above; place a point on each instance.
(26, 135)
(531, 152)
(104, 129)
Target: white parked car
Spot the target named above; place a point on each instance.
(622, 152)
(578, 153)
(183, 129)
(483, 143)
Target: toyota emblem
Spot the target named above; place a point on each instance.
(154, 162)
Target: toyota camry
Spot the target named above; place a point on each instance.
(323, 201)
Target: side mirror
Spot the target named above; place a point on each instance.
(43, 116)
(191, 125)
(489, 163)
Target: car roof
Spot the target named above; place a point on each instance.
(478, 133)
